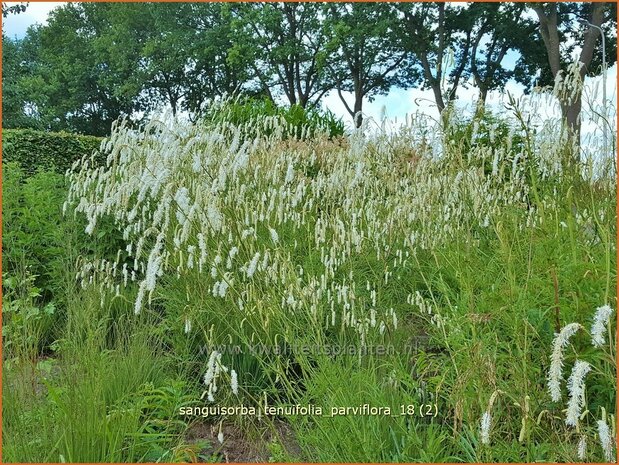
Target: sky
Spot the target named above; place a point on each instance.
(16, 25)
(398, 102)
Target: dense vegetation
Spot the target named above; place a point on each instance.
(220, 264)
(238, 279)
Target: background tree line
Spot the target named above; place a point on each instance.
(95, 62)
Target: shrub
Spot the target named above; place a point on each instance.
(40, 245)
(484, 131)
(35, 234)
(299, 123)
(55, 151)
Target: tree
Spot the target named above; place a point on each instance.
(149, 45)
(72, 84)
(501, 26)
(12, 95)
(558, 37)
(96, 62)
(364, 57)
(15, 67)
(439, 36)
(174, 55)
(284, 44)
(214, 70)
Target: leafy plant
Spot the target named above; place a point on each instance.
(294, 121)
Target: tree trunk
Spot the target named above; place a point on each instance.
(548, 23)
(173, 102)
(570, 111)
(438, 96)
(358, 116)
(481, 101)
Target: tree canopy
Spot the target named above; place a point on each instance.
(95, 62)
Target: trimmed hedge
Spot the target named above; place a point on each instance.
(54, 151)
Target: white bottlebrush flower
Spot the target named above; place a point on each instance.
(576, 387)
(606, 441)
(274, 235)
(582, 447)
(556, 359)
(231, 255)
(191, 250)
(234, 382)
(202, 247)
(247, 232)
(187, 325)
(484, 429)
(289, 174)
(251, 268)
(183, 202)
(220, 437)
(223, 287)
(212, 368)
(495, 164)
(210, 394)
(214, 216)
(90, 228)
(600, 321)
(140, 298)
(215, 290)
(394, 319)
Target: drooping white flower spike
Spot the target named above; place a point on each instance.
(600, 321)
(486, 419)
(606, 441)
(234, 382)
(582, 447)
(556, 359)
(484, 429)
(576, 387)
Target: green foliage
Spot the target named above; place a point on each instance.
(485, 133)
(534, 55)
(365, 58)
(288, 41)
(13, 9)
(74, 84)
(297, 122)
(36, 239)
(95, 402)
(27, 325)
(340, 436)
(14, 93)
(95, 62)
(38, 150)
(476, 297)
(40, 249)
